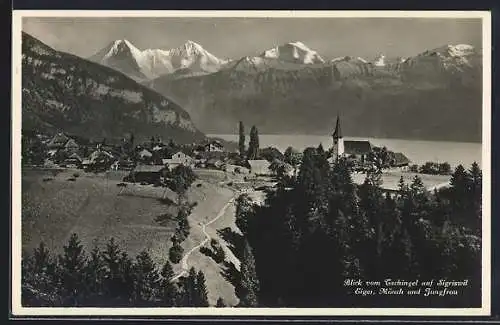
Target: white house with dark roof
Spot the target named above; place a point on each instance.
(178, 158)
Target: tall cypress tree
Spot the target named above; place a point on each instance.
(253, 145)
(241, 142)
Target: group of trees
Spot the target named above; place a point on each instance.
(33, 151)
(432, 168)
(179, 179)
(181, 233)
(108, 278)
(215, 251)
(253, 144)
(309, 237)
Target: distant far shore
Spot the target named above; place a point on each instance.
(227, 136)
(418, 151)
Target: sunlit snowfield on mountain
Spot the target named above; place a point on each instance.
(418, 152)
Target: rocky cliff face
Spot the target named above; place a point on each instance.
(61, 91)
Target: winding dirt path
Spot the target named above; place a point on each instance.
(184, 261)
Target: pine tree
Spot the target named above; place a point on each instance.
(127, 280)
(94, 276)
(241, 142)
(248, 288)
(190, 288)
(243, 209)
(41, 257)
(147, 282)
(41, 278)
(111, 257)
(475, 189)
(201, 298)
(72, 270)
(371, 203)
(253, 145)
(168, 292)
(291, 157)
(175, 252)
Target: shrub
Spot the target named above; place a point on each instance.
(175, 253)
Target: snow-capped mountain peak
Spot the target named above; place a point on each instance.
(461, 49)
(193, 46)
(348, 58)
(120, 47)
(296, 52)
(122, 55)
(452, 58)
(449, 50)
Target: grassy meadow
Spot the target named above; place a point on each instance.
(94, 207)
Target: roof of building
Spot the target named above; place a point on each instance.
(355, 147)
(100, 153)
(185, 151)
(71, 142)
(148, 168)
(400, 159)
(215, 142)
(59, 139)
(145, 152)
(75, 156)
(337, 134)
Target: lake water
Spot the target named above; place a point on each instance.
(418, 152)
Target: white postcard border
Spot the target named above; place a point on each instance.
(18, 310)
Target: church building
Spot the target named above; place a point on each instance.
(354, 149)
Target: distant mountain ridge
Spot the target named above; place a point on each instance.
(434, 95)
(62, 92)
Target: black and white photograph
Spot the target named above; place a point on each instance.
(264, 163)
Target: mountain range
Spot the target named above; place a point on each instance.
(63, 92)
(290, 88)
(151, 63)
(434, 95)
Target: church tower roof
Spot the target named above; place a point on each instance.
(337, 134)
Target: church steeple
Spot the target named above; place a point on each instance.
(337, 134)
(338, 140)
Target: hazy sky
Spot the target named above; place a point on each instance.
(236, 37)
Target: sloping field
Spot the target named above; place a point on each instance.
(212, 202)
(390, 179)
(92, 206)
